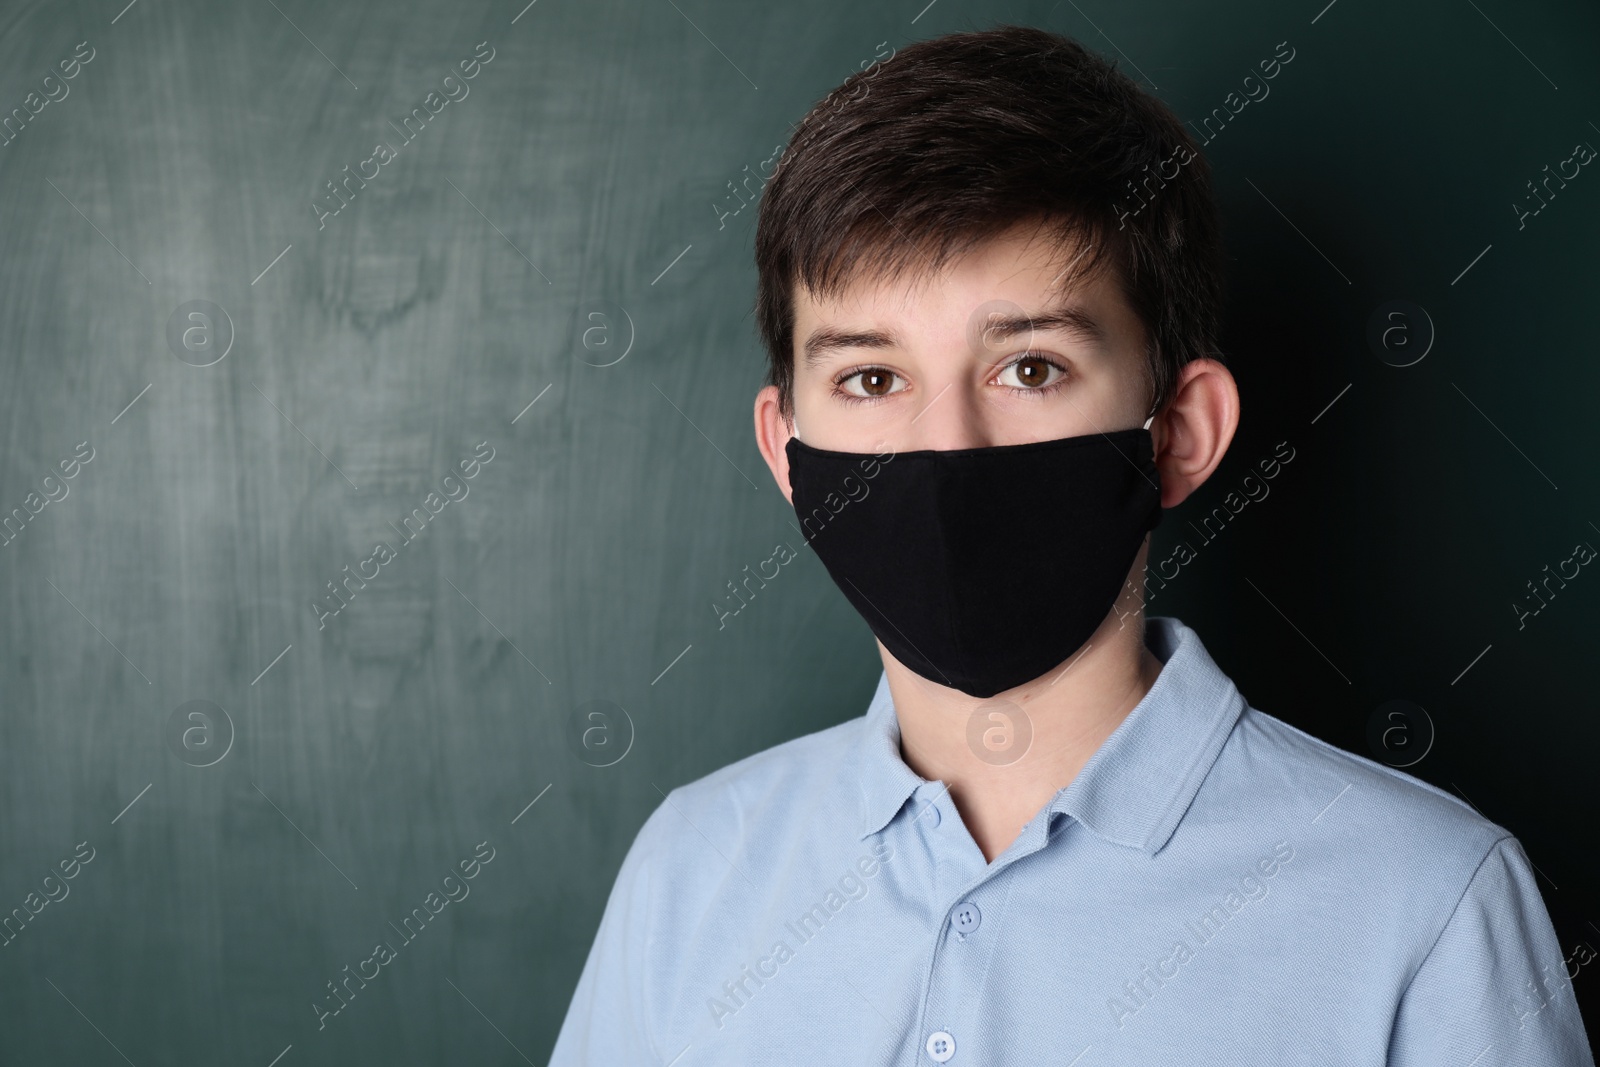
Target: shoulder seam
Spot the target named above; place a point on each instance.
(1393, 774)
(1453, 909)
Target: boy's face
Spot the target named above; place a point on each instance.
(933, 364)
(987, 353)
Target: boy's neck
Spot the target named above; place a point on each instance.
(1070, 712)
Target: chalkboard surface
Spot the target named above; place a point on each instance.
(377, 455)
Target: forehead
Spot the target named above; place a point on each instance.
(1022, 277)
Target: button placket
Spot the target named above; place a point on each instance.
(959, 962)
(964, 946)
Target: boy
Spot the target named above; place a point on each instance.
(989, 286)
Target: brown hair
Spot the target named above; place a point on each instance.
(956, 139)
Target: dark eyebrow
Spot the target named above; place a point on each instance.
(826, 339)
(1065, 319)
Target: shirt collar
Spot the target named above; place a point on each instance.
(1136, 787)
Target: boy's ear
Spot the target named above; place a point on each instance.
(1193, 432)
(772, 434)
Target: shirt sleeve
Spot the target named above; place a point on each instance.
(607, 1020)
(1495, 989)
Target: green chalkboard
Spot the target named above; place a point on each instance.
(377, 455)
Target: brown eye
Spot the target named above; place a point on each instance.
(876, 383)
(1032, 373)
(872, 383)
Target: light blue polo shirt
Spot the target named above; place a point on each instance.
(1215, 887)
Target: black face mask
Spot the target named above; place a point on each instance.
(981, 568)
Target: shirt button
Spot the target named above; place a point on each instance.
(931, 812)
(941, 1046)
(966, 918)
